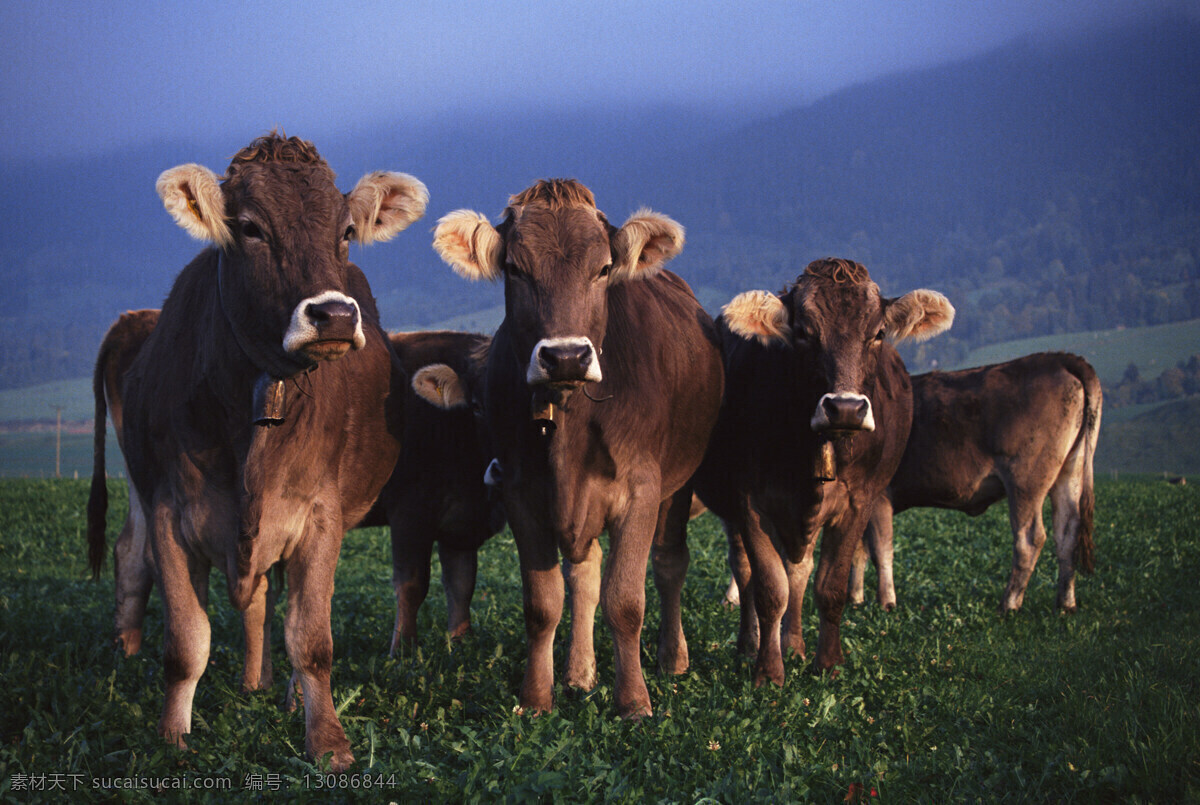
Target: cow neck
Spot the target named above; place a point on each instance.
(268, 359)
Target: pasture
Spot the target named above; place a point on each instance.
(941, 700)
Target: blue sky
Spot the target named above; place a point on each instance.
(84, 77)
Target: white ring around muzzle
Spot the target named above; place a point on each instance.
(537, 372)
(301, 331)
(820, 420)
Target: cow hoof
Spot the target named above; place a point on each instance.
(339, 759)
(635, 712)
(129, 641)
(890, 606)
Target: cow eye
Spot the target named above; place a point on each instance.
(349, 233)
(879, 336)
(604, 272)
(250, 230)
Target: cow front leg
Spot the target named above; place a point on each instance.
(183, 582)
(411, 555)
(309, 639)
(542, 596)
(878, 540)
(583, 582)
(459, 569)
(623, 597)
(670, 559)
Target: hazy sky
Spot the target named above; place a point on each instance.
(83, 77)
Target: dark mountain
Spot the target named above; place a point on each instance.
(1046, 186)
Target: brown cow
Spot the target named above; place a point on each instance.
(1021, 430)
(436, 493)
(816, 414)
(587, 304)
(133, 564)
(247, 440)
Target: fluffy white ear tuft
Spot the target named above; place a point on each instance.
(469, 244)
(919, 315)
(383, 204)
(644, 244)
(758, 315)
(440, 385)
(192, 194)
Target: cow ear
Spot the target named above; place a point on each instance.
(758, 315)
(645, 242)
(192, 194)
(919, 315)
(440, 385)
(383, 204)
(470, 244)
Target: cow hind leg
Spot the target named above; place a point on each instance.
(770, 595)
(583, 582)
(877, 539)
(791, 630)
(1064, 503)
(1029, 535)
(134, 577)
(459, 569)
(742, 585)
(410, 578)
(670, 559)
(256, 669)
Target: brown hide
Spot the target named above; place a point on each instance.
(436, 493)
(1023, 430)
(760, 474)
(619, 450)
(218, 490)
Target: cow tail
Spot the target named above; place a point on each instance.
(1093, 399)
(97, 506)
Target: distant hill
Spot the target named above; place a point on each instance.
(1046, 187)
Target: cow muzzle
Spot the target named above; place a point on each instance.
(843, 411)
(568, 362)
(325, 327)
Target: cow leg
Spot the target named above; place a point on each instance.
(858, 569)
(183, 582)
(739, 565)
(133, 574)
(770, 595)
(309, 640)
(412, 551)
(1064, 504)
(583, 581)
(791, 632)
(623, 594)
(459, 569)
(670, 558)
(254, 632)
(837, 554)
(542, 594)
(881, 547)
(1029, 535)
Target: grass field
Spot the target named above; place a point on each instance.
(942, 700)
(1153, 349)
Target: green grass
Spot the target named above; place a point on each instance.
(39, 402)
(942, 700)
(1153, 349)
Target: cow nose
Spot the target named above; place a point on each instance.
(565, 362)
(333, 319)
(843, 411)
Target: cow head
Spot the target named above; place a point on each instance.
(558, 256)
(835, 320)
(284, 232)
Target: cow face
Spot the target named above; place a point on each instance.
(836, 321)
(284, 231)
(558, 257)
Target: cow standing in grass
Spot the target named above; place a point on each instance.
(816, 414)
(600, 390)
(1023, 430)
(256, 415)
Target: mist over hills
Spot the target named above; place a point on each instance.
(1045, 187)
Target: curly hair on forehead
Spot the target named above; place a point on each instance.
(838, 270)
(556, 194)
(277, 147)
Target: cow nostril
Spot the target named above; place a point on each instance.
(327, 312)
